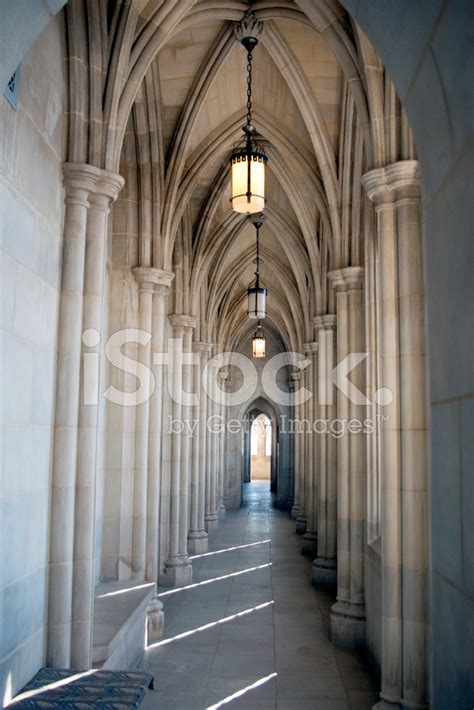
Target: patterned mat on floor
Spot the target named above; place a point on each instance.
(52, 688)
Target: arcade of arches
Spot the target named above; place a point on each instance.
(119, 243)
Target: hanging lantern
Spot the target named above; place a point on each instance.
(257, 302)
(248, 161)
(258, 343)
(257, 295)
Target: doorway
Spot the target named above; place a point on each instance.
(261, 449)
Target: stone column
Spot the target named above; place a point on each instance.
(396, 193)
(197, 536)
(140, 482)
(310, 537)
(324, 566)
(211, 517)
(301, 473)
(295, 509)
(348, 613)
(178, 568)
(161, 281)
(223, 376)
(89, 192)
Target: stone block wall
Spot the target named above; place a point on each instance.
(31, 216)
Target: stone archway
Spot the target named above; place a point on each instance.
(431, 81)
(251, 418)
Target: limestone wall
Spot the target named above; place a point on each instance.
(31, 214)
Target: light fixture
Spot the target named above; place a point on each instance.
(248, 160)
(257, 295)
(258, 342)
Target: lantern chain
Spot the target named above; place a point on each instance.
(257, 273)
(249, 88)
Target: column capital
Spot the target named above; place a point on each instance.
(202, 347)
(179, 320)
(310, 348)
(82, 177)
(401, 179)
(157, 278)
(326, 322)
(109, 185)
(348, 279)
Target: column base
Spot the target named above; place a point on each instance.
(178, 572)
(155, 621)
(301, 524)
(310, 543)
(221, 511)
(347, 624)
(388, 703)
(324, 573)
(295, 510)
(385, 705)
(198, 542)
(211, 521)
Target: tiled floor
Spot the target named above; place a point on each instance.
(256, 635)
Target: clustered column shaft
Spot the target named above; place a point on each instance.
(396, 193)
(310, 537)
(324, 566)
(348, 613)
(89, 192)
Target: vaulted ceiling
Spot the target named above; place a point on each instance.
(312, 118)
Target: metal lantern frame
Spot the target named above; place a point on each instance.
(250, 184)
(258, 342)
(256, 294)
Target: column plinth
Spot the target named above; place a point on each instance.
(324, 572)
(310, 543)
(347, 626)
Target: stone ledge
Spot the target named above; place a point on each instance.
(120, 613)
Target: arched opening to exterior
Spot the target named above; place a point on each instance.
(261, 449)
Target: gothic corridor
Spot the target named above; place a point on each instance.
(236, 337)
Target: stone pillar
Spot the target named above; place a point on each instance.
(211, 517)
(310, 537)
(324, 566)
(348, 613)
(197, 536)
(89, 192)
(396, 193)
(140, 482)
(295, 509)
(161, 281)
(301, 472)
(178, 568)
(223, 375)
